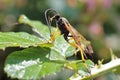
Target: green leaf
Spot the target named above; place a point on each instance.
(81, 69)
(84, 68)
(37, 62)
(63, 47)
(20, 39)
(32, 63)
(60, 44)
(36, 26)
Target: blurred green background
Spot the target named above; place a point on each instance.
(97, 20)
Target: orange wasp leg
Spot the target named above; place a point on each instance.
(78, 48)
(54, 35)
(82, 53)
(83, 59)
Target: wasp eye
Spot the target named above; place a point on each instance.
(57, 17)
(60, 21)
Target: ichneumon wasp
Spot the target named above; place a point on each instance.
(71, 35)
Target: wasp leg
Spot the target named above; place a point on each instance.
(54, 35)
(82, 54)
(78, 48)
(83, 60)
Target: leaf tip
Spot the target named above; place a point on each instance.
(23, 19)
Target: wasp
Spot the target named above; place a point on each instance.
(70, 34)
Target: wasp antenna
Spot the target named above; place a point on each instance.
(49, 10)
(48, 19)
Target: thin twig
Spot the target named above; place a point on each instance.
(105, 68)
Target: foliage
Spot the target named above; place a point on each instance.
(97, 20)
(40, 57)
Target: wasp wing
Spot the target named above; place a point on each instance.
(81, 41)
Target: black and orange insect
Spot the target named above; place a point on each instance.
(71, 35)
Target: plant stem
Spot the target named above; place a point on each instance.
(105, 68)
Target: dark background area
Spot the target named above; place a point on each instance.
(97, 20)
